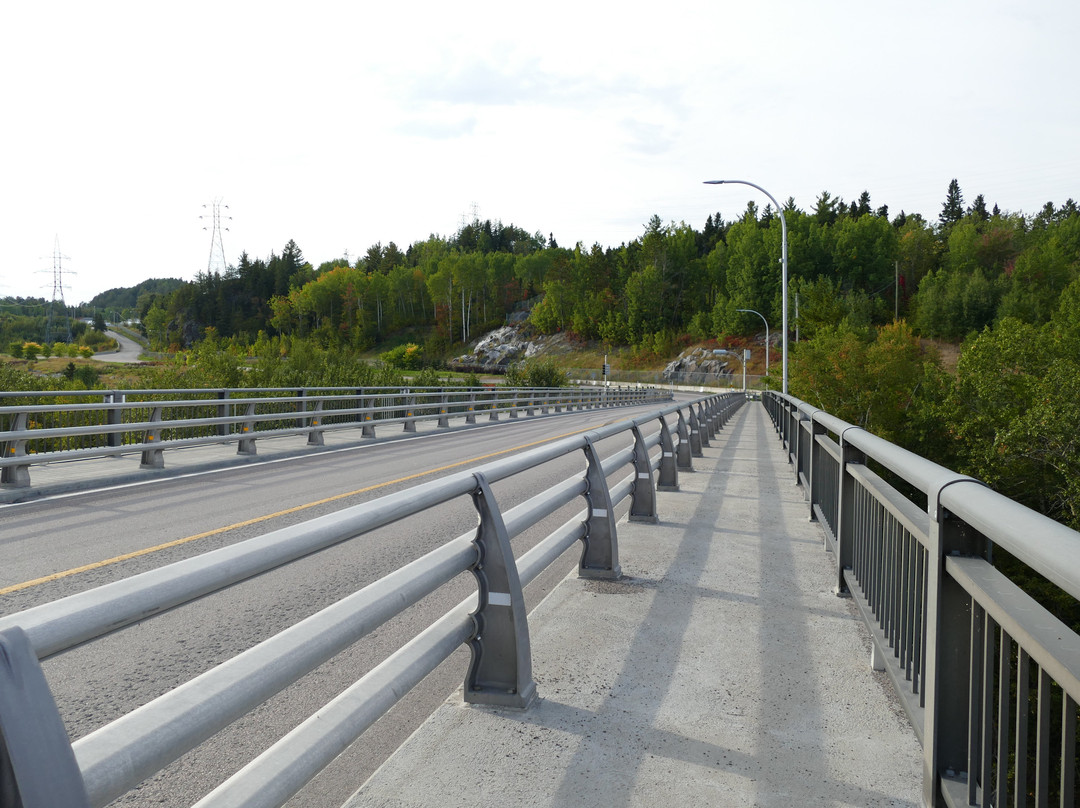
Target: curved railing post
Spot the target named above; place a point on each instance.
(668, 473)
(683, 456)
(712, 411)
(246, 445)
(600, 555)
(444, 411)
(369, 415)
(695, 434)
(34, 748)
(470, 408)
(643, 494)
(153, 458)
(703, 425)
(501, 668)
(315, 435)
(16, 476)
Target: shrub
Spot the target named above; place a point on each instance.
(405, 357)
(535, 373)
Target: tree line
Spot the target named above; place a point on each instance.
(848, 262)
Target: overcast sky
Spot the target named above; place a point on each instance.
(339, 125)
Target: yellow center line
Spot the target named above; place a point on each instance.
(177, 542)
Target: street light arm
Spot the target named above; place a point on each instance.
(745, 182)
(762, 316)
(783, 262)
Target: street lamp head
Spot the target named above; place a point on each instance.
(715, 182)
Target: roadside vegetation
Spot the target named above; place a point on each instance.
(881, 299)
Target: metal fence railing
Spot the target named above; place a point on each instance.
(989, 677)
(42, 768)
(34, 429)
(657, 378)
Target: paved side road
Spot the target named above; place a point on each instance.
(721, 671)
(128, 353)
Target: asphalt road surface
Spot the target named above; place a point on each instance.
(128, 353)
(94, 684)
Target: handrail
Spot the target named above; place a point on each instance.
(955, 635)
(34, 434)
(115, 758)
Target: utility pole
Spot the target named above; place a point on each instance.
(896, 295)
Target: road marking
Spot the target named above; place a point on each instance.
(266, 517)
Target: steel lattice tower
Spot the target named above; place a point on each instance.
(217, 248)
(58, 272)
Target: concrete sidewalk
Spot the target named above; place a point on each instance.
(720, 671)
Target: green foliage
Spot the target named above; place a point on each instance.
(534, 373)
(85, 376)
(16, 350)
(1011, 411)
(13, 379)
(405, 357)
(875, 381)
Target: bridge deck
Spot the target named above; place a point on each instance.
(721, 671)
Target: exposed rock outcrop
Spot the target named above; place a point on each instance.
(502, 347)
(699, 362)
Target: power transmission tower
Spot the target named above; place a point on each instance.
(58, 273)
(217, 248)
(474, 211)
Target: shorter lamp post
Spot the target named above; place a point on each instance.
(722, 352)
(762, 316)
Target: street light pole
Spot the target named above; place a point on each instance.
(783, 262)
(722, 352)
(762, 316)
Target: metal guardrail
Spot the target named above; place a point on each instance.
(40, 767)
(148, 422)
(989, 678)
(656, 378)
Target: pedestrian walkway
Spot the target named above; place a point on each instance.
(722, 670)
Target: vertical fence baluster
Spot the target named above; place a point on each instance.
(1068, 750)
(1042, 743)
(1023, 712)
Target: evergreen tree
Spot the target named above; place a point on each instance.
(978, 209)
(864, 204)
(953, 209)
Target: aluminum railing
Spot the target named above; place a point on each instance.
(989, 677)
(148, 422)
(35, 752)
